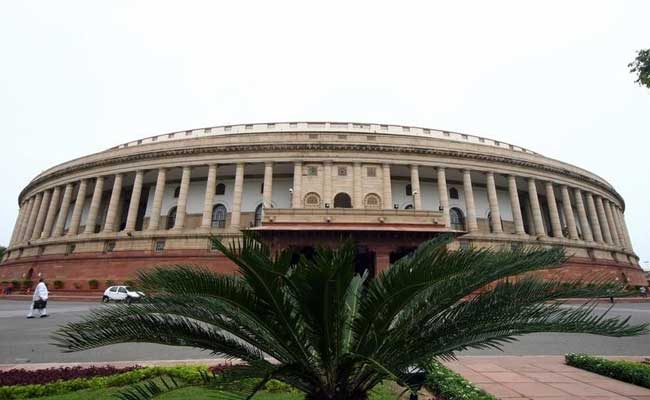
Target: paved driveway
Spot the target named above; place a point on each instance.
(23, 340)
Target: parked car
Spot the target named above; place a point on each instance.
(121, 293)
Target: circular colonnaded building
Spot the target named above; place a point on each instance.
(157, 200)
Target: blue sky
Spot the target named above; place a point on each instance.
(78, 77)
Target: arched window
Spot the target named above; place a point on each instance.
(408, 207)
(219, 216)
(258, 215)
(372, 201)
(457, 219)
(409, 190)
(177, 192)
(453, 193)
(221, 189)
(312, 200)
(342, 200)
(171, 218)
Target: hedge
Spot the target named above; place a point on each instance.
(627, 371)
(188, 374)
(21, 376)
(449, 385)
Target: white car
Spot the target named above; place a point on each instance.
(121, 293)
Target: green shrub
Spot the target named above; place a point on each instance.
(188, 374)
(274, 386)
(129, 283)
(15, 284)
(447, 384)
(27, 284)
(626, 371)
(93, 283)
(58, 284)
(77, 285)
(109, 282)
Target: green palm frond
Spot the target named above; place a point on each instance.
(330, 333)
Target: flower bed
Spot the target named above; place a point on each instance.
(42, 376)
(187, 374)
(446, 384)
(627, 371)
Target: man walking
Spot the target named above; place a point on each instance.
(39, 300)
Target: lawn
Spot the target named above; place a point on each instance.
(383, 392)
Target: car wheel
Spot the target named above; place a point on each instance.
(129, 300)
(105, 299)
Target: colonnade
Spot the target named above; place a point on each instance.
(43, 215)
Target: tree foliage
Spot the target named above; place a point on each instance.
(641, 67)
(333, 334)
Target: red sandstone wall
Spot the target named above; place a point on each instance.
(121, 266)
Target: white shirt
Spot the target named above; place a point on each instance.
(40, 292)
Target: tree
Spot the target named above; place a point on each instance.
(641, 67)
(335, 335)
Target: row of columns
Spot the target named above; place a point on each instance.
(44, 215)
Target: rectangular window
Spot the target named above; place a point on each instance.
(342, 171)
(207, 130)
(371, 137)
(482, 140)
(171, 135)
(465, 137)
(159, 245)
(426, 131)
(249, 127)
(293, 125)
(270, 126)
(445, 133)
(342, 136)
(406, 129)
(227, 128)
(313, 135)
(371, 172)
(312, 171)
(70, 249)
(384, 127)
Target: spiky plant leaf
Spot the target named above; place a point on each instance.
(335, 335)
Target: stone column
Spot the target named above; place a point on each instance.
(208, 199)
(443, 193)
(593, 216)
(556, 226)
(515, 205)
(63, 211)
(327, 183)
(607, 233)
(493, 201)
(626, 232)
(415, 187)
(32, 218)
(568, 213)
(267, 193)
(472, 225)
(387, 188)
(235, 219)
(610, 222)
(134, 203)
(95, 202)
(582, 216)
(619, 227)
(538, 222)
(23, 225)
(75, 221)
(51, 213)
(181, 205)
(357, 200)
(154, 218)
(113, 204)
(42, 213)
(21, 212)
(296, 196)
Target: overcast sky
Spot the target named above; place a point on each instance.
(77, 77)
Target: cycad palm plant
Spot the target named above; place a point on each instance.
(335, 335)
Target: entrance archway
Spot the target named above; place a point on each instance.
(342, 200)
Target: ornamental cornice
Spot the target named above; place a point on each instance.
(331, 147)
